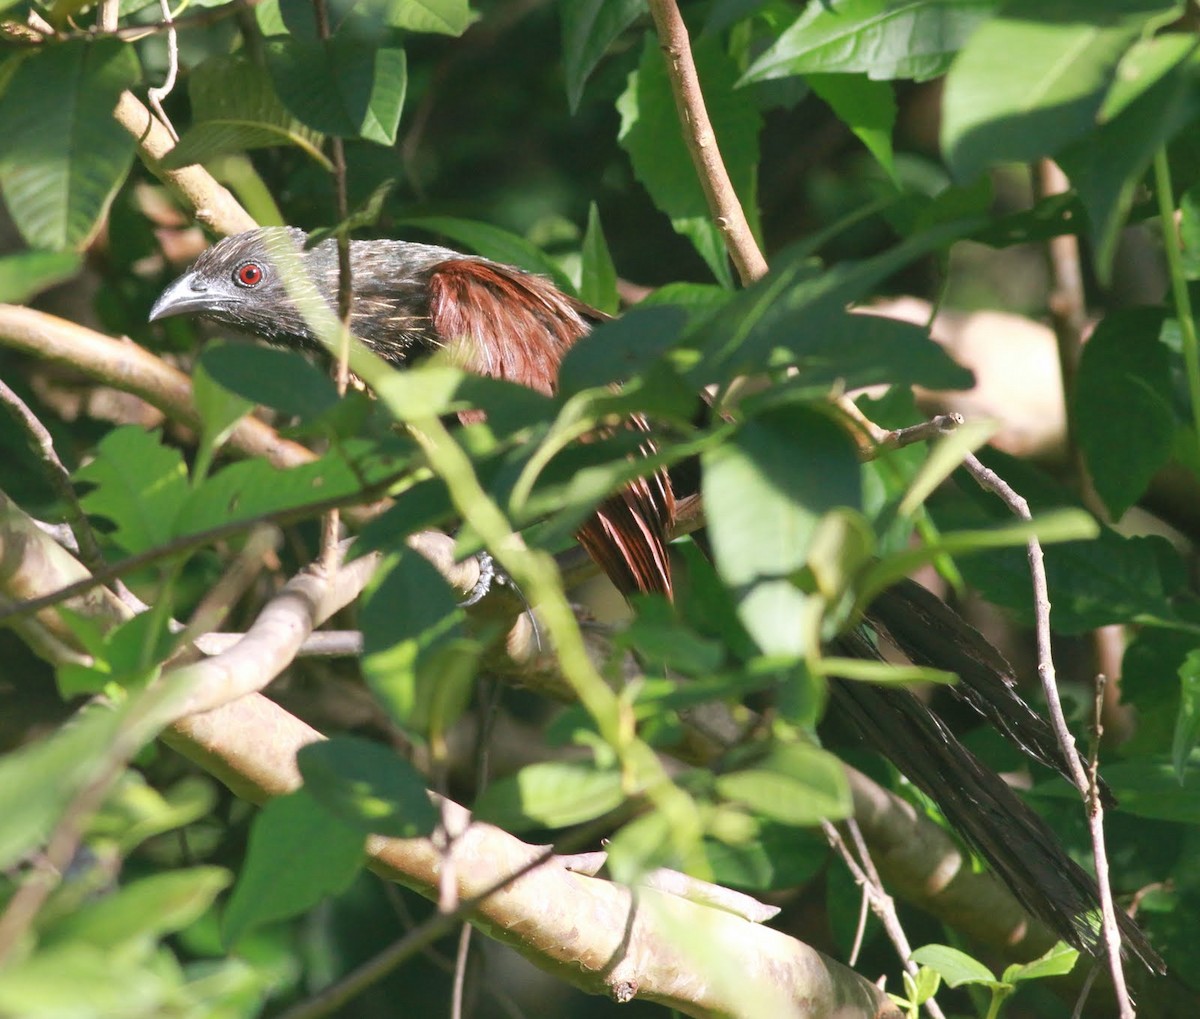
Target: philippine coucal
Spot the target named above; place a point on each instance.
(499, 321)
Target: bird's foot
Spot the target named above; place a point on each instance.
(487, 577)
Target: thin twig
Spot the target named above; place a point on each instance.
(862, 867)
(701, 141)
(990, 481)
(157, 94)
(460, 971)
(42, 443)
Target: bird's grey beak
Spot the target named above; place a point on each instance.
(186, 295)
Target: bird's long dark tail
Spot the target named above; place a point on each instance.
(978, 805)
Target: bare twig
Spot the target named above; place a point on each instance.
(990, 481)
(157, 94)
(883, 905)
(59, 477)
(701, 141)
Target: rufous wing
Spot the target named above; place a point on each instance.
(511, 325)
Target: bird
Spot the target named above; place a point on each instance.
(411, 300)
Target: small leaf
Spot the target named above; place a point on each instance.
(26, 274)
(883, 672)
(867, 107)
(145, 909)
(341, 86)
(956, 967)
(282, 379)
(1056, 962)
(495, 243)
(551, 794)
(886, 39)
(1187, 723)
(220, 410)
(322, 856)
(444, 17)
(1123, 418)
(141, 485)
(598, 275)
(367, 786)
(589, 27)
(64, 156)
(795, 784)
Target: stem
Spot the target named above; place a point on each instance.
(1183, 302)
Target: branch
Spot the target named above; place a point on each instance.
(701, 141)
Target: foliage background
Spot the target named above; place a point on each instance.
(849, 149)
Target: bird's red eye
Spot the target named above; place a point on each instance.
(249, 275)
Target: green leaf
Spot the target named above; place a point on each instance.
(650, 133)
(26, 274)
(796, 315)
(341, 86)
(495, 243)
(220, 410)
(883, 672)
(146, 909)
(624, 347)
(589, 27)
(598, 275)
(865, 106)
(885, 39)
(1068, 55)
(779, 856)
(1122, 412)
(1144, 64)
(795, 784)
(416, 656)
(79, 980)
(1148, 788)
(141, 486)
(1106, 166)
(765, 490)
(550, 794)
(1187, 723)
(443, 17)
(64, 156)
(956, 967)
(368, 786)
(1056, 962)
(283, 379)
(322, 856)
(39, 780)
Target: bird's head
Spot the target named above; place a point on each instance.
(238, 282)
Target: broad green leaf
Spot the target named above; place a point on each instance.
(341, 86)
(1069, 52)
(765, 490)
(416, 656)
(220, 410)
(598, 275)
(81, 980)
(589, 27)
(234, 108)
(1056, 962)
(956, 967)
(550, 794)
(1106, 166)
(495, 243)
(444, 17)
(794, 784)
(297, 855)
(64, 156)
(39, 780)
(778, 856)
(145, 909)
(283, 379)
(367, 786)
(1147, 787)
(623, 347)
(796, 315)
(1122, 412)
(886, 39)
(650, 133)
(27, 274)
(865, 106)
(1144, 64)
(141, 485)
(1187, 723)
